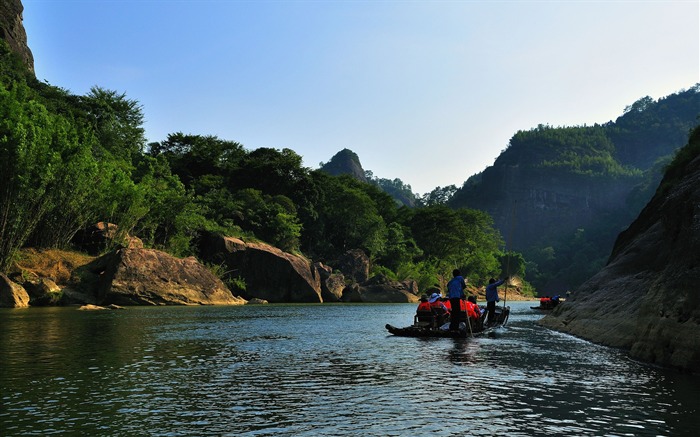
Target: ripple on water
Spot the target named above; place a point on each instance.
(324, 370)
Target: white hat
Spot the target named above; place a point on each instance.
(434, 297)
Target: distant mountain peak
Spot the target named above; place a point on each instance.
(345, 162)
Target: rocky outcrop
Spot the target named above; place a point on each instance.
(43, 292)
(354, 264)
(12, 295)
(345, 162)
(268, 272)
(332, 284)
(646, 300)
(380, 290)
(152, 277)
(102, 235)
(12, 31)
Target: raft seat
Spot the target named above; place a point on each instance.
(424, 318)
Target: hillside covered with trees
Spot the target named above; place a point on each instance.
(563, 194)
(69, 161)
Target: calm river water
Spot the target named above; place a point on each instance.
(319, 370)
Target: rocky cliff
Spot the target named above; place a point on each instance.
(269, 273)
(528, 204)
(646, 299)
(345, 162)
(12, 30)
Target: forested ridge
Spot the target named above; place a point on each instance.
(574, 189)
(69, 161)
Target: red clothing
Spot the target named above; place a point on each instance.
(473, 310)
(438, 304)
(447, 304)
(424, 306)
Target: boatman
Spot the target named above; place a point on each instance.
(455, 291)
(492, 298)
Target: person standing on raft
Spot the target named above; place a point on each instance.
(492, 298)
(455, 291)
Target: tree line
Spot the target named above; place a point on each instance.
(69, 161)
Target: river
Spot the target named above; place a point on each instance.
(319, 370)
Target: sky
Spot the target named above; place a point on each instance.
(429, 92)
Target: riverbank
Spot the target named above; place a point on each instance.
(66, 277)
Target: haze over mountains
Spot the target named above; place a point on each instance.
(560, 195)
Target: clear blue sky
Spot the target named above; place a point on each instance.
(426, 91)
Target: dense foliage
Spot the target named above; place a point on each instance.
(627, 155)
(70, 161)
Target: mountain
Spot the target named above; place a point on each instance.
(561, 195)
(646, 300)
(12, 31)
(345, 162)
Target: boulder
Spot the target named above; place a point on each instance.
(152, 277)
(332, 284)
(354, 264)
(256, 301)
(268, 272)
(96, 238)
(645, 299)
(382, 292)
(12, 295)
(43, 292)
(90, 307)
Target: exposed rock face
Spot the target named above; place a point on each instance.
(12, 30)
(94, 239)
(544, 200)
(12, 295)
(332, 284)
(345, 162)
(41, 287)
(355, 265)
(646, 299)
(380, 291)
(151, 277)
(43, 292)
(269, 273)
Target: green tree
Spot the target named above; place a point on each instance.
(348, 218)
(39, 154)
(270, 218)
(117, 122)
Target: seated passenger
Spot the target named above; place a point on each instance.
(424, 305)
(438, 308)
(446, 302)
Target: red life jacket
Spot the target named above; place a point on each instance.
(424, 306)
(473, 310)
(438, 305)
(463, 305)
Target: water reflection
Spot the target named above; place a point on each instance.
(319, 370)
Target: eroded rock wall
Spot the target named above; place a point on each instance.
(646, 299)
(12, 30)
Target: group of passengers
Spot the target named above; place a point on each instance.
(444, 307)
(549, 302)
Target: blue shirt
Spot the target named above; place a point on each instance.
(492, 291)
(455, 288)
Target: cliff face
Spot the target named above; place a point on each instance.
(12, 30)
(345, 162)
(646, 299)
(546, 203)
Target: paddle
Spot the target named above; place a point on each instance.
(508, 254)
